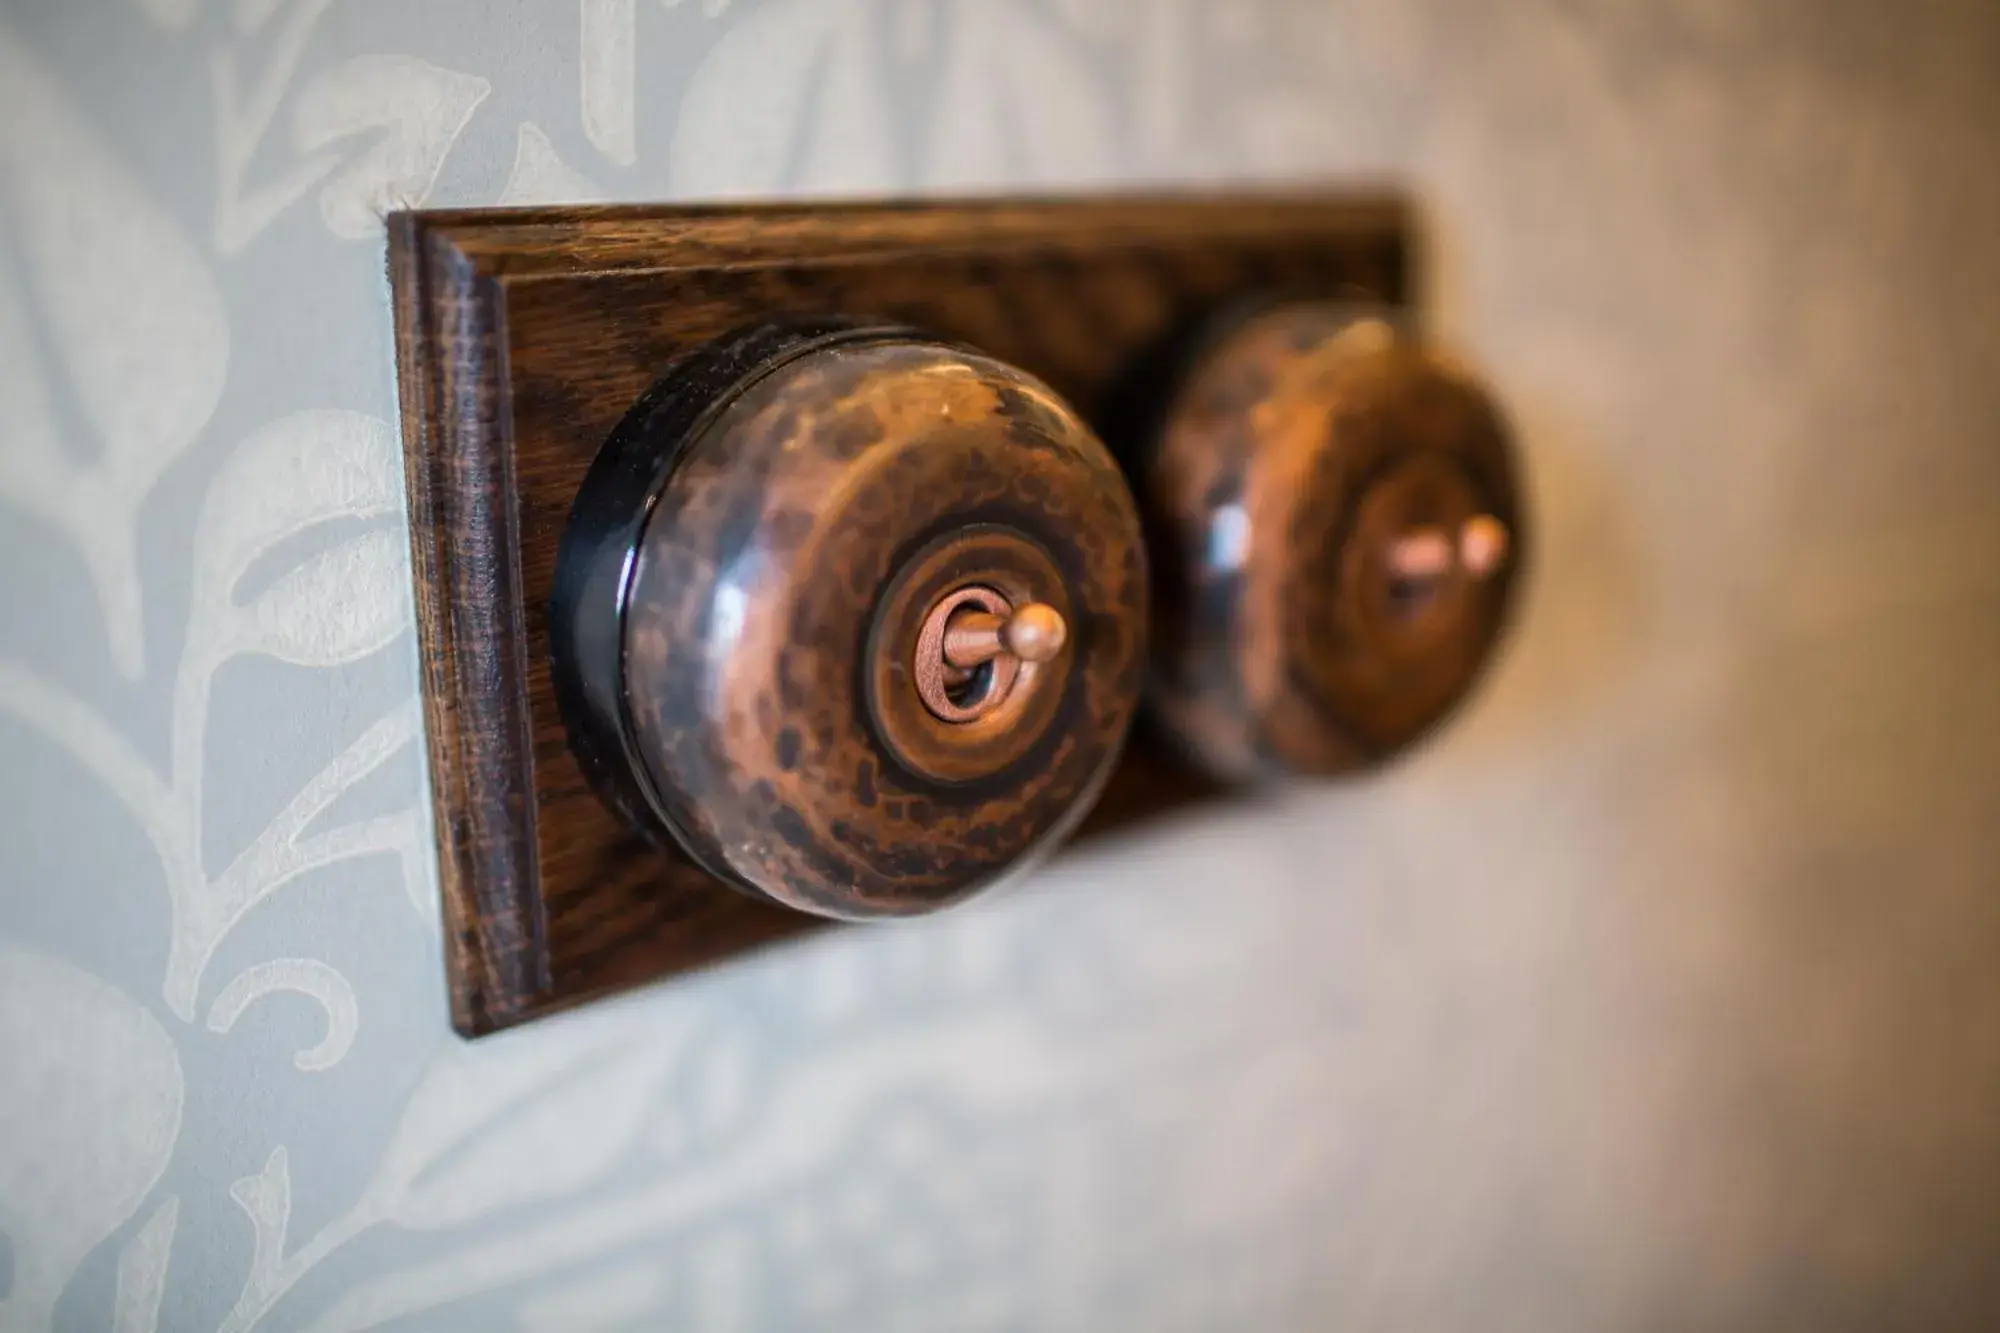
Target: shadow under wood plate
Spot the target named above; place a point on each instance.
(524, 337)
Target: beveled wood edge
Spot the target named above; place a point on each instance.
(548, 240)
(465, 571)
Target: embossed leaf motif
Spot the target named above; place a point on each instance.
(307, 976)
(540, 176)
(491, 1128)
(134, 326)
(415, 109)
(250, 15)
(1018, 101)
(346, 599)
(142, 1271)
(169, 13)
(90, 1106)
(792, 96)
(266, 1199)
(795, 97)
(339, 605)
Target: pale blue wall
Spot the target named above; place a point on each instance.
(1658, 992)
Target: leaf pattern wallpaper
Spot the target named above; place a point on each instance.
(1659, 991)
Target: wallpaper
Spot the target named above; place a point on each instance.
(1658, 991)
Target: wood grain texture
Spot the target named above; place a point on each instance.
(524, 336)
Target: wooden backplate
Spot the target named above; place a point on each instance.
(522, 336)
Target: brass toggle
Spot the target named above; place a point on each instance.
(1424, 554)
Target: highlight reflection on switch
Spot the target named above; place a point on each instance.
(1341, 505)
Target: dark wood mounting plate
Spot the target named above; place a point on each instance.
(522, 336)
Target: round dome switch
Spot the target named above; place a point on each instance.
(853, 616)
(1339, 509)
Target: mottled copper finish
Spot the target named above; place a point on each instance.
(1337, 505)
(777, 618)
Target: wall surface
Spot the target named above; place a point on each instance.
(1662, 991)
